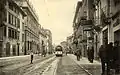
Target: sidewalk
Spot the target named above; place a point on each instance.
(84, 60)
(92, 68)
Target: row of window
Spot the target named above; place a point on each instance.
(32, 25)
(13, 8)
(31, 35)
(14, 34)
(14, 20)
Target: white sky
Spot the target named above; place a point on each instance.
(56, 15)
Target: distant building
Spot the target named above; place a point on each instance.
(64, 44)
(70, 44)
(11, 29)
(49, 41)
(42, 40)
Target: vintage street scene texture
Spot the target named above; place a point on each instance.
(59, 37)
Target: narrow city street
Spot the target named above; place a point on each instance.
(47, 37)
(49, 65)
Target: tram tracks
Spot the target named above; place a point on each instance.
(22, 67)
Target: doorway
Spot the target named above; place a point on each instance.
(7, 49)
(14, 50)
(18, 46)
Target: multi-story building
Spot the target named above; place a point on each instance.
(80, 37)
(31, 27)
(107, 21)
(43, 40)
(83, 24)
(11, 29)
(115, 22)
(49, 41)
(104, 25)
(78, 29)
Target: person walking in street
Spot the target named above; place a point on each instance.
(78, 54)
(109, 57)
(90, 54)
(102, 55)
(43, 53)
(31, 54)
(116, 56)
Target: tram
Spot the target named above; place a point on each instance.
(58, 51)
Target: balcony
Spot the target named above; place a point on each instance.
(86, 22)
(88, 29)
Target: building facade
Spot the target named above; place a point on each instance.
(49, 41)
(11, 29)
(31, 27)
(102, 27)
(107, 16)
(43, 40)
(64, 45)
(70, 44)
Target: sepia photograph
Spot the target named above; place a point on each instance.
(59, 37)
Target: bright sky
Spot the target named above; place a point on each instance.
(56, 15)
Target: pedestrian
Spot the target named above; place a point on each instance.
(109, 57)
(78, 54)
(66, 52)
(116, 56)
(31, 54)
(88, 53)
(91, 54)
(102, 55)
(44, 53)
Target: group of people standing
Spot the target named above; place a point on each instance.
(109, 56)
